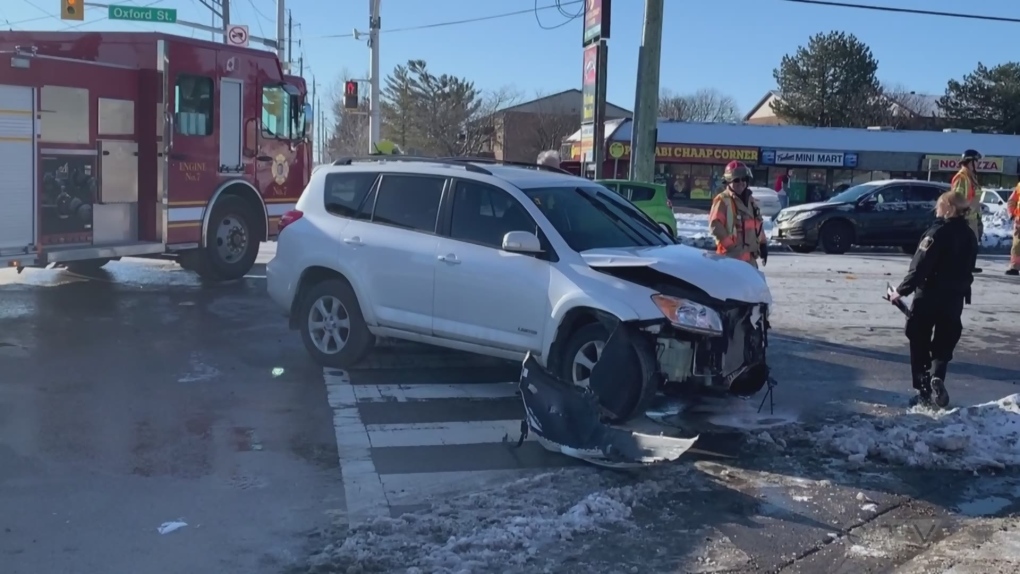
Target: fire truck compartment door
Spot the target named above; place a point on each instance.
(17, 169)
(230, 125)
(115, 216)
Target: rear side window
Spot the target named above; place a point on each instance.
(924, 193)
(344, 193)
(637, 192)
(409, 201)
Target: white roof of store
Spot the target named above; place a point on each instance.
(827, 139)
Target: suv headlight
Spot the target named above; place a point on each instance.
(688, 315)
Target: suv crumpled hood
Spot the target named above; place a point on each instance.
(721, 277)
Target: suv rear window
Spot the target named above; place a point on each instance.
(343, 193)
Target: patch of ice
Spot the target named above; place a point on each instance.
(869, 507)
(168, 527)
(969, 438)
(496, 529)
(865, 551)
(984, 506)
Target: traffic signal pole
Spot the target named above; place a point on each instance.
(374, 107)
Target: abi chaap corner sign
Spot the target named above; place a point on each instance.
(808, 158)
(689, 153)
(952, 163)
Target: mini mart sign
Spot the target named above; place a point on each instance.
(952, 163)
(808, 158)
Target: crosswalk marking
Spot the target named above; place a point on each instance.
(405, 393)
(438, 434)
(401, 441)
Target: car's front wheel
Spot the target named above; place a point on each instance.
(836, 237)
(332, 327)
(637, 384)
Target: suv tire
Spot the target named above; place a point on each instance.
(641, 384)
(342, 318)
(836, 237)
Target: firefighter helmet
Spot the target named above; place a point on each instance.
(736, 170)
(971, 154)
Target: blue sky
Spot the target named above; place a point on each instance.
(732, 46)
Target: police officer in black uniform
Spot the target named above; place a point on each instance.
(940, 277)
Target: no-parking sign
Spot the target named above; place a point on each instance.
(237, 35)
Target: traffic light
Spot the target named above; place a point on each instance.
(351, 95)
(72, 9)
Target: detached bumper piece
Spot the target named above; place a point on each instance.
(566, 419)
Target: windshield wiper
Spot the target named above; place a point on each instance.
(627, 226)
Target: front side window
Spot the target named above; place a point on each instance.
(409, 202)
(590, 218)
(483, 214)
(344, 193)
(277, 115)
(895, 194)
(193, 102)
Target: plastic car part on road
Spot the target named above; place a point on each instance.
(565, 418)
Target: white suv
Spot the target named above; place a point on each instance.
(505, 259)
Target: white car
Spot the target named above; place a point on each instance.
(995, 200)
(504, 261)
(767, 200)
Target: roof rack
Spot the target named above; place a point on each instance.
(493, 161)
(454, 162)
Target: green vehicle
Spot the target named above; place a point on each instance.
(650, 198)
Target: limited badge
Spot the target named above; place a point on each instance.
(926, 243)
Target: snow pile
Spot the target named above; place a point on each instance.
(998, 231)
(969, 438)
(496, 529)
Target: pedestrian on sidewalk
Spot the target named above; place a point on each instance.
(1013, 210)
(940, 277)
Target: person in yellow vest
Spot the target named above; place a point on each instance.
(1013, 210)
(965, 184)
(735, 220)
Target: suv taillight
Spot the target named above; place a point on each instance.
(288, 218)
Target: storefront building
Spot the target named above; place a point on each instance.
(820, 162)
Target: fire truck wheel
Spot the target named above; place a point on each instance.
(333, 328)
(231, 243)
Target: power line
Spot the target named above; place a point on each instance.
(557, 6)
(913, 11)
(570, 16)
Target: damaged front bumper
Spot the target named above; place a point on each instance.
(566, 418)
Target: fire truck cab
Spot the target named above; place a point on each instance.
(145, 145)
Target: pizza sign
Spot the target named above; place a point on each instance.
(952, 163)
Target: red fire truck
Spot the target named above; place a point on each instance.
(145, 145)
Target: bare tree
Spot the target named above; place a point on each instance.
(907, 109)
(350, 127)
(483, 132)
(542, 127)
(705, 105)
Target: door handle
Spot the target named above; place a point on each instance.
(356, 241)
(449, 258)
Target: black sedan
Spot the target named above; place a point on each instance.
(888, 213)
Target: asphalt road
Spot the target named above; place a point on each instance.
(140, 397)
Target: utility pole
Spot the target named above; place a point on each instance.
(225, 12)
(646, 98)
(290, 38)
(315, 109)
(281, 31)
(374, 109)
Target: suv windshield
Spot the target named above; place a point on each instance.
(853, 194)
(592, 217)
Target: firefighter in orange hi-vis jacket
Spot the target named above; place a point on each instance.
(965, 184)
(1013, 209)
(735, 220)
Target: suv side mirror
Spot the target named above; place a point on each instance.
(868, 204)
(521, 242)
